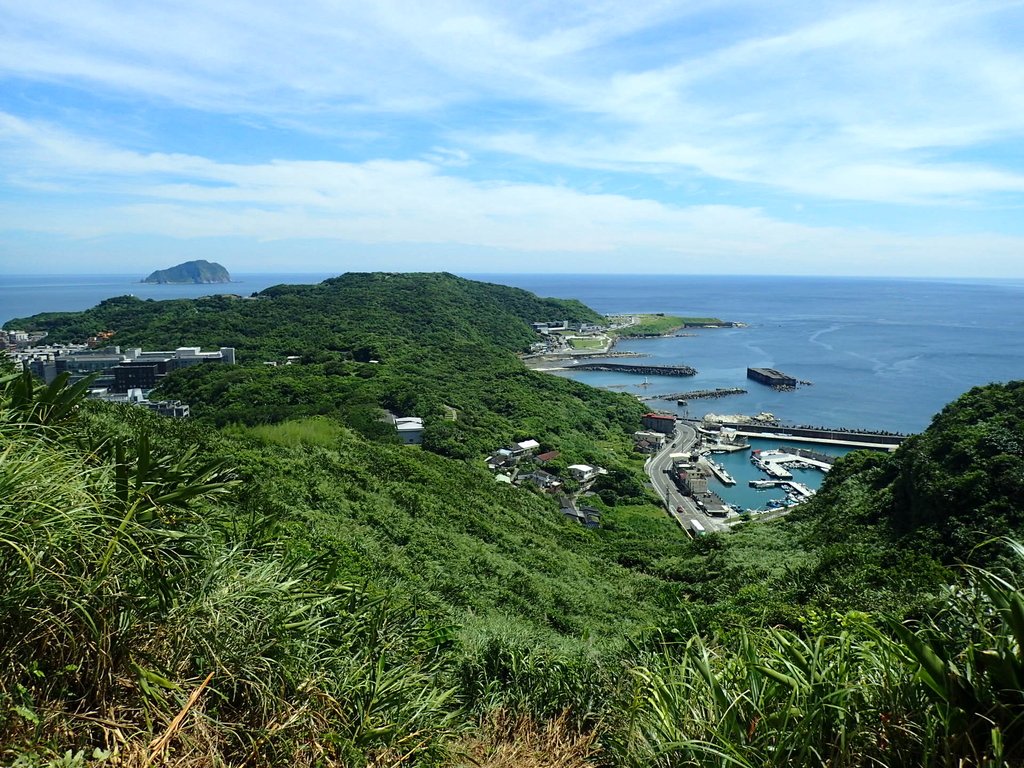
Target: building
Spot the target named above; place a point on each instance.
(648, 441)
(528, 446)
(659, 422)
(410, 429)
(691, 479)
(174, 409)
(582, 472)
(543, 480)
(78, 360)
(139, 375)
(771, 377)
(586, 516)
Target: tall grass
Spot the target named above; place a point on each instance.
(139, 617)
(309, 431)
(950, 692)
(131, 619)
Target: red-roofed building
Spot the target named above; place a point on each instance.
(660, 422)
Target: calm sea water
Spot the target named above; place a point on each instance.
(24, 295)
(882, 354)
(738, 465)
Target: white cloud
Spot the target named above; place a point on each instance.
(900, 103)
(395, 203)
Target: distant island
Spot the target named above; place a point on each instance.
(191, 272)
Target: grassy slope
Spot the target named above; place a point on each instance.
(659, 325)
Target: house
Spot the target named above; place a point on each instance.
(591, 517)
(658, 438)
(544, 458)
(659, 422)
(528, 446)
(410, 429)
(645, 446)
(648, 441)
(495, 462)
(543, 480)
(582, 472)
(587, 516)
(691, 480)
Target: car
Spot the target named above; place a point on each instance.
(680, 510)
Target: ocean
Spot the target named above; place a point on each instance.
(24, 295)
(880, 353)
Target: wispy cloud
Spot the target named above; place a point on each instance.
(484, 123)
(417, 202)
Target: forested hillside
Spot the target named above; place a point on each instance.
(444, 347)
(310, 592)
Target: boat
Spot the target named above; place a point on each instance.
(762, 483)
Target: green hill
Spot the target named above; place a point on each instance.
(200, 271)
(443, 346)
(360, 602)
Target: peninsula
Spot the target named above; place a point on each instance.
(191, 272)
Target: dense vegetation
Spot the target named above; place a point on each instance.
(306, 591)
(444, 347)
(200, 271)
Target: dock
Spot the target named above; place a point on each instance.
(773, 463)
(718, 471)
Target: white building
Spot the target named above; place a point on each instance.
(410, 429)
(582, 472)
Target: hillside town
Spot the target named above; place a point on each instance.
(120, 375)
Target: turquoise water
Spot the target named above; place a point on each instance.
(738, 465)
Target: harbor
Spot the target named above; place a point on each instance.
(784, 474)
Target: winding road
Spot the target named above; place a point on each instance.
(658, 467)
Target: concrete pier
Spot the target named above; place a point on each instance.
(771, 377)
(717, 471)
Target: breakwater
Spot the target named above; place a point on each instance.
(835, 435)
(643, 370)
(704, 394)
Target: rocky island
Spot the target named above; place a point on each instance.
(200, 271)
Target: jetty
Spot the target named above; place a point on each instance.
(774, 463)
(704, 394)
(643, 370)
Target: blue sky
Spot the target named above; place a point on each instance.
(670, 137)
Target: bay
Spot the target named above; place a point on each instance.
(882, 354)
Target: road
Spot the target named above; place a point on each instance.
(657, 470)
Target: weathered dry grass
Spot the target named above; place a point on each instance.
(508, 741)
